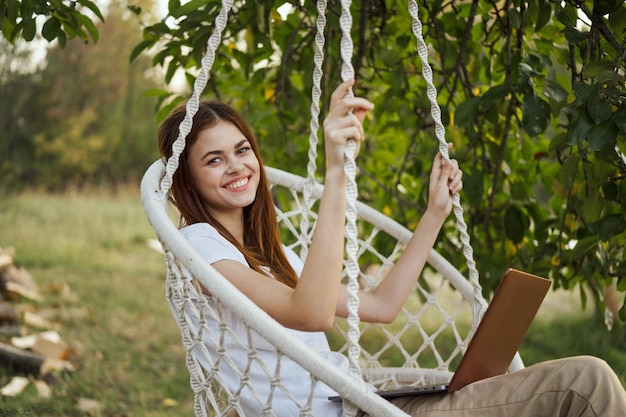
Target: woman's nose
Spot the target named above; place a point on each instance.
(234, 165)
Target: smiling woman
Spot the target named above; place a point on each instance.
(221, 165)
(226, 172)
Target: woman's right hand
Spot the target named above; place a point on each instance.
(343, 123)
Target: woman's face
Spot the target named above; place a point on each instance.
(224, 169)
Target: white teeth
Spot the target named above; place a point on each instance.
(237, 184)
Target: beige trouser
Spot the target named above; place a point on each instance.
(580, 386)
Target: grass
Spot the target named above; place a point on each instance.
(125, 345)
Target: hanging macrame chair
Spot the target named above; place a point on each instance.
(414, 342)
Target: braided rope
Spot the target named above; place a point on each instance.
(316, 93)
(431, 92)
(192, 105)
(351, 231)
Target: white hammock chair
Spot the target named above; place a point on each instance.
(415, 341)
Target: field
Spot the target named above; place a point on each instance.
(113, 315)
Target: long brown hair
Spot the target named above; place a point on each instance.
(262, 244)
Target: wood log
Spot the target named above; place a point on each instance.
(8, 314)
(20, 361)
(47, 344)
(18, 282)
(11, 330)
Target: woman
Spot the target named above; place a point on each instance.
(223, 195)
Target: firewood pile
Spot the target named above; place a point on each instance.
(31, 349)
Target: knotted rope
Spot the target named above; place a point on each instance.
(351, 231)
(316, 92)
(431, 92)
(194, 101)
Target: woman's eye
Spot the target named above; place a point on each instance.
(243, 150)
(213, 161)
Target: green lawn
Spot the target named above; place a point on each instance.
(125, 345)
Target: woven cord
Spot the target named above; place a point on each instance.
(177, 149)
(431, 92)
(316, 93)
(192, 105)
(352, 265)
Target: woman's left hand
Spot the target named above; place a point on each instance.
(445, 181)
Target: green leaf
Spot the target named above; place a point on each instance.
(51, 29)
(497, 92)
(554, 91)
(139, 48)
(171, 70)
(515, 18)
(516, 224)
(584, 91)
(613, 93)
(579, 126)
(617, 20)
(186, 8)
(544, 13)
(619, 117)
(602, 135)
(30, 29)
(575, 36)
(594, 69)
(609, 226)
(599, 109)
(466, 112)
(92, 6)
(567, 15)
(41, 7)
(583, 246)
(62, 39)
(602, 7)
(609, 190)
(569, 170)
(535, 114)
(12, 11)
(27, 9)
(173, 5)
(91, 28)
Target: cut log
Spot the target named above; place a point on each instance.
(11, 330)
(50, 345)
(15, 387)
(18, 282)
(43, 389)
(35, 320)
(8, 314)
(20, 361)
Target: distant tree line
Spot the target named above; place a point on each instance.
(81, 115)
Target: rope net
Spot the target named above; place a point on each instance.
(243, 363)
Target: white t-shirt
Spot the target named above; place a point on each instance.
(214, 247)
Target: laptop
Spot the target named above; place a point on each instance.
(497, 338)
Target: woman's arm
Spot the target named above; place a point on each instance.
(384, 302)
(311, 304)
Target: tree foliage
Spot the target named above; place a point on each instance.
(532, 94)
(81, 116)
(63, 20)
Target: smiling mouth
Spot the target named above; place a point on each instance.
(237, 184)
